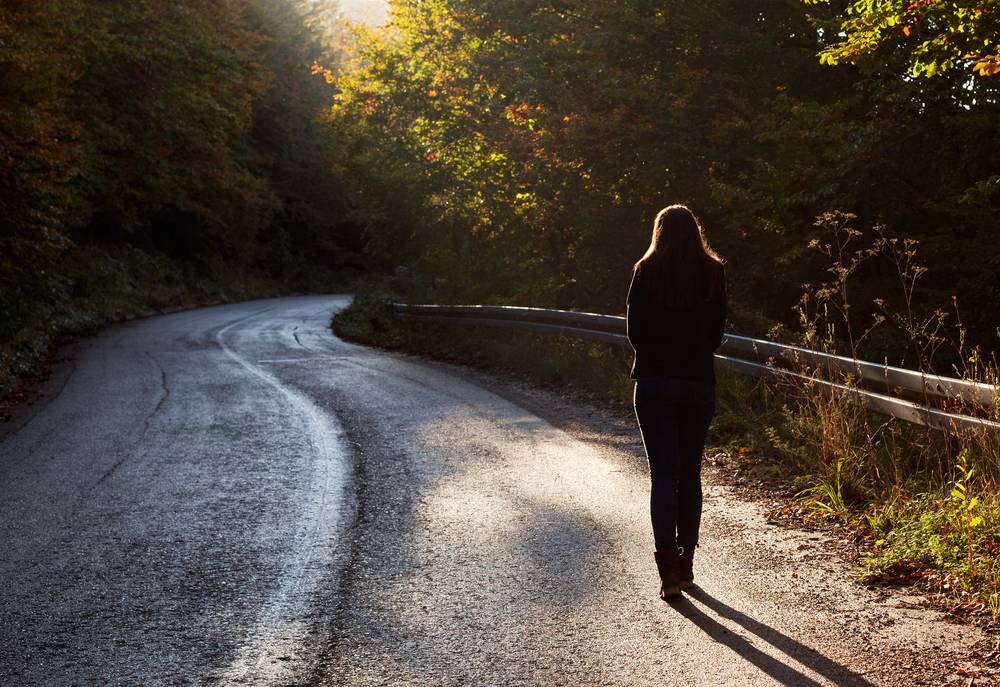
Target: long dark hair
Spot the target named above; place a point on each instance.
(679, 265)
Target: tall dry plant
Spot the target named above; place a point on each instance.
(851, 452)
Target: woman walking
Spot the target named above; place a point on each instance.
(676, 320)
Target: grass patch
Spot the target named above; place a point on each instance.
(948, 541)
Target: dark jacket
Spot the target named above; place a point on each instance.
(671, 341)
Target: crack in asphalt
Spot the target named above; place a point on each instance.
(165, 388)
(147, 422)
(295, 335)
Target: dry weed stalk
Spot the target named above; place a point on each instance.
(849, 446)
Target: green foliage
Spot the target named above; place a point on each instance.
(39, 158)
(950, 540)
(162, 90)
(288, 146)
(935, 37)
(518, 152)
(965, 506)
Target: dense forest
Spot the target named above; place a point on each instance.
(165, 152)
(161, 153)
(517, 151)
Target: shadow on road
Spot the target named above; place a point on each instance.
(780, 670)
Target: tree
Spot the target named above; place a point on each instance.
(936, 36)
(541, 138)
(39, 153)
(164, 93)
(517, 151)
(287, 143)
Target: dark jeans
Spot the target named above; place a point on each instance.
(674, 415)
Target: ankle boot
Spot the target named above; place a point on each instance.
(685, 567)
(666, 564)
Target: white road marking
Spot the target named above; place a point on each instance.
(268, 653)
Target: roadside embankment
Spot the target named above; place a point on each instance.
(98, 286)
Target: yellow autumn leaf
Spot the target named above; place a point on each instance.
(988, 66)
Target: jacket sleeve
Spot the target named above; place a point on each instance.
(636, 318)
(717, 314)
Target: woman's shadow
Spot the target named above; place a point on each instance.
(781, 671)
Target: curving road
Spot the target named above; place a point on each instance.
(234, 496)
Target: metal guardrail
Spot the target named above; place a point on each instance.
(943, 403)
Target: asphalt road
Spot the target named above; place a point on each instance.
(235, 496)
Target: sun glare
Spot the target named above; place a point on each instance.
(373, 12)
